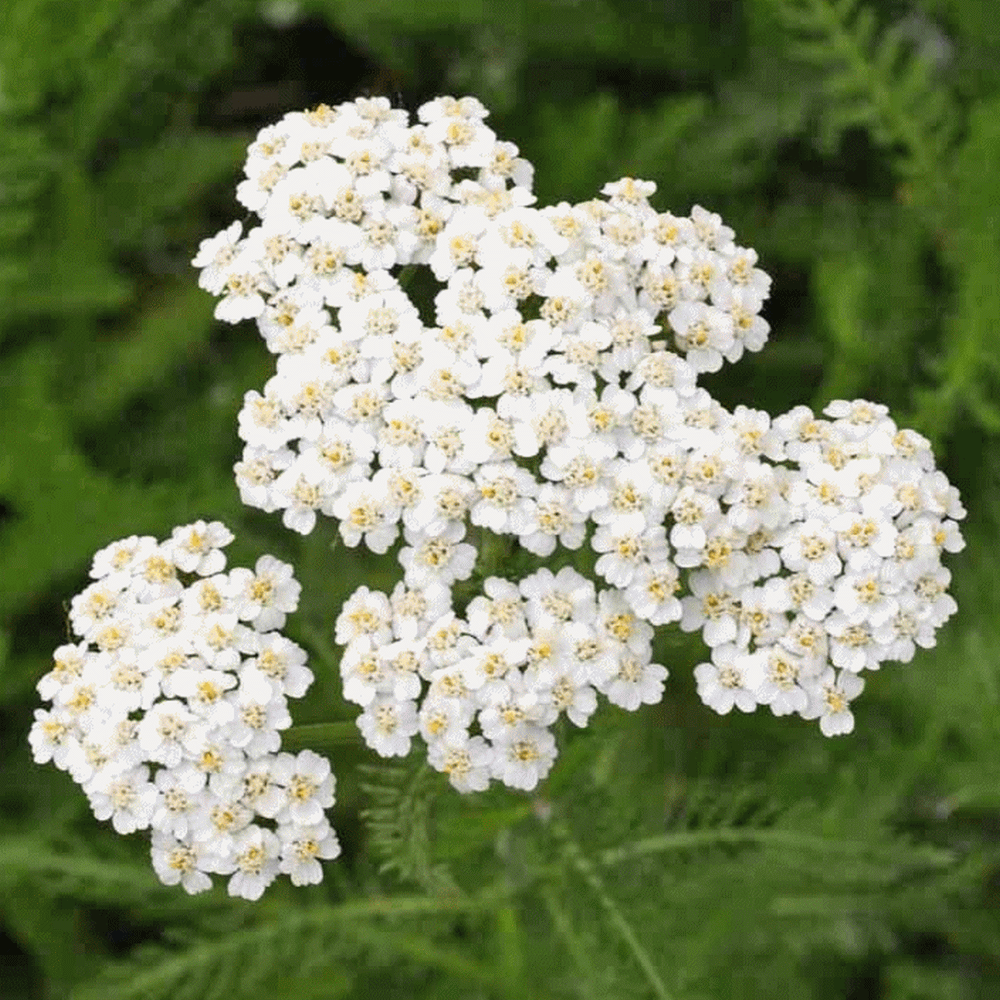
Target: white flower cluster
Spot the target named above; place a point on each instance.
(550, 395)
(523, 655)
(168, 712)
(822, 566)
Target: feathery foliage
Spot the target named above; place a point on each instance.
(671, 854)
(399, 822)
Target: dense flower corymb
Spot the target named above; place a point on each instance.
(548, 393)
(168, 712)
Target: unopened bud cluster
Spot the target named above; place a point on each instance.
(168, 712)
(549, 393)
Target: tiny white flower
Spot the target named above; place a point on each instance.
(810, 547)
(710, 608)
(781, 686)
(559, 597)
(414, 610)
(52, 737)
(635, 683)
(864, 598)
(388, 726)
(552, 518)
(266, 595)
(508, 704)
(260, 713)
(467, 760)
(569, 691)
(489, 663)
(169, 731)
(437, 558)
(205, 694)
(703, 333)
(695, 513)
(255, 858)
(102, 603)
(365, 515)
(196, 548)
(732, 678)
(179, 861)
(627, 552)
(523, 756)
(280, 661)
(366, 613)
(69, 661)
(214, 256)
(829, 697)
(499, 610)
(179, 790)
(253, 787)
(308, 784)
(210, 595)
(243, 298)
(503, 496)
(215, 823)
(302, 847)
(852, 645)
(652, 593)
(444, 718)
(219, 639)
(127, 799)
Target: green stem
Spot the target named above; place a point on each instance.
(588, 871)
(319, 734)
(574, 946)
(319, 641)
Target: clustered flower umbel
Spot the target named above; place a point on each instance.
(554, 399)
(168, 712)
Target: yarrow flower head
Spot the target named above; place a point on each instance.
(168, 712)
(546, 397)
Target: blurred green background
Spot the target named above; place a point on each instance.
(671, 854)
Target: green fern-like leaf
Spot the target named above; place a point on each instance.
(399, 824)
(65, 509)
(254, 960)
(81, 874)
(874, 80)
(967, 372)
(619, 923)
(149, 183)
